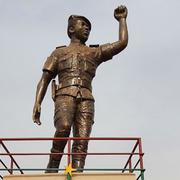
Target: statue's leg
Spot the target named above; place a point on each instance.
(63, 118)
(82, 128)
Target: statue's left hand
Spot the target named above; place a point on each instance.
(120, 12)
(36, 114)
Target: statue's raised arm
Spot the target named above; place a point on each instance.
(120, 14)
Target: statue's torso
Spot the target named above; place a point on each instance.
(75, 66)
(78, 63)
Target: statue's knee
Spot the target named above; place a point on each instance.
(63, 128)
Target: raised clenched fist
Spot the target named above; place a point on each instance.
(120, 12)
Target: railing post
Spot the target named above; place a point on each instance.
(69, 151)
(130, 165)
(142, 175)
(141, 159)
(11, 166)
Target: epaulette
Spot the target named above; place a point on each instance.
(60, 46)
(94, 45)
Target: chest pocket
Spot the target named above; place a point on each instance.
(65, 62)
(90, 67)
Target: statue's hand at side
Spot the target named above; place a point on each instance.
(120, 12)
(36, 114)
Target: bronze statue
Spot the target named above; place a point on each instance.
(75, 65)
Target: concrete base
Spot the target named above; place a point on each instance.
(75, 176)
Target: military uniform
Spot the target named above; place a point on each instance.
(75, 67)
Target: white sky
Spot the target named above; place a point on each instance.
(137, 93)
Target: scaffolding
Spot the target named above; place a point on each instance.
(133, 163)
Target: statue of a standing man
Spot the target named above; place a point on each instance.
(75, 65)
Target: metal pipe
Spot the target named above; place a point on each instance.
(44, 154)
(135, 146)
(5, 166)
(70, 138)
(69, 152)
(3, 145)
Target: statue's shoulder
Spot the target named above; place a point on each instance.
(58, 51)
(60, 47)
(94, 45)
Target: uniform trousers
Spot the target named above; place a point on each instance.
(72, 113)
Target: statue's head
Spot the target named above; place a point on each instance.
(79, 27)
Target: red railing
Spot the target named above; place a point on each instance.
(130, 165)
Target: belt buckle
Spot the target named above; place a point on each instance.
(73, 81)
(79, 81)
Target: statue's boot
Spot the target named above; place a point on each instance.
(78, 164)
(57, 147)
(78, 160)
(53, 164)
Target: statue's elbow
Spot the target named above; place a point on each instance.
(124, 44)
(119, 45)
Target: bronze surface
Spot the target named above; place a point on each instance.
(75, 66)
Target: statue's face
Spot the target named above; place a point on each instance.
(81, 30)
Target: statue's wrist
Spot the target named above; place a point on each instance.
(37, 104)
(122, 18)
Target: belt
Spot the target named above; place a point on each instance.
(75, 82)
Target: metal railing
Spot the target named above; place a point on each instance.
(131, 165)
